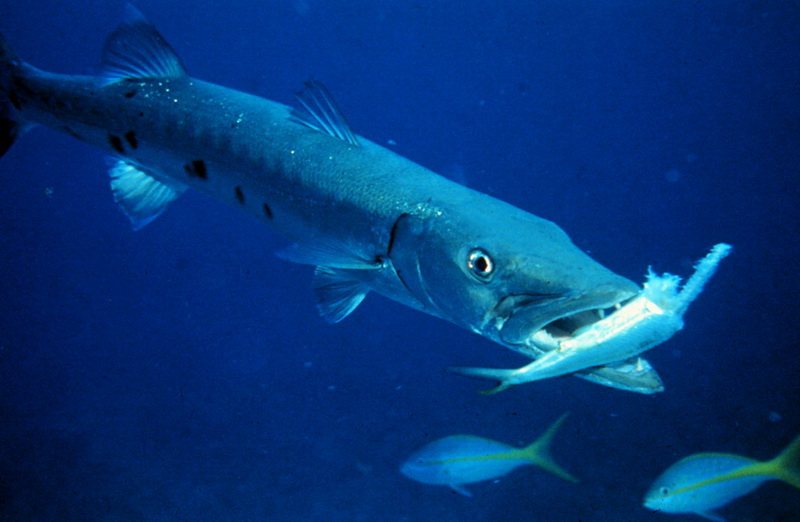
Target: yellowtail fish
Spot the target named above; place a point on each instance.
(701, 483)
(462, 459)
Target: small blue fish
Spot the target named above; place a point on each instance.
(701, 483)
(461, 459)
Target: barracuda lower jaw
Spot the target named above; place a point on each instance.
(552, 334)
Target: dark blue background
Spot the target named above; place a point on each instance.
(181, 372)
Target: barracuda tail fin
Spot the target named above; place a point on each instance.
(10, 128)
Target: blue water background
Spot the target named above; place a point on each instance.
(182, 373)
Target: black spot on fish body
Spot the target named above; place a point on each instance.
(239, 194)
(267, 211)
(130, 137)
(116, 143)
(196, 169)
(141, 114)
(130, 94)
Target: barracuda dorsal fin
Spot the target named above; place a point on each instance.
(140, 196)
(337, 294)
(321, 113)
(137, 51)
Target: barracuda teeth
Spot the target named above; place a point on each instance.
(617, 306)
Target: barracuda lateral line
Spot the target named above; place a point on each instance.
(366, 218)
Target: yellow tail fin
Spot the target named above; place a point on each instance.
(539, 452)
(786, 466)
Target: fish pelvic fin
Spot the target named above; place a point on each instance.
(460, 489)
(137, 51)
(538, 453)
(786, 466)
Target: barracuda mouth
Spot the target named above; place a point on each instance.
(542, 322)
(555, 332)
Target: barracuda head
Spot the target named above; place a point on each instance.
(503, 273)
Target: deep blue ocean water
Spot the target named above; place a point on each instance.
(181, 372)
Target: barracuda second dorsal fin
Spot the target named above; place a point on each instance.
(137, 51)
(321, 113)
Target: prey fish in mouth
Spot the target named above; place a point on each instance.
(577, 343)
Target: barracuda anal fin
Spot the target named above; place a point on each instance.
(140, 195)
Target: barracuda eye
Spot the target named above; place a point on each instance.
(480, 264)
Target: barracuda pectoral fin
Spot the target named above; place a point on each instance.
(136, 50)
(330, 254)
(337, 288)
(338, 293)
(141, 196)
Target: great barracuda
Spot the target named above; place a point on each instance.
(366, 218)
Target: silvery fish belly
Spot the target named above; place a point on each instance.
(643, 322)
